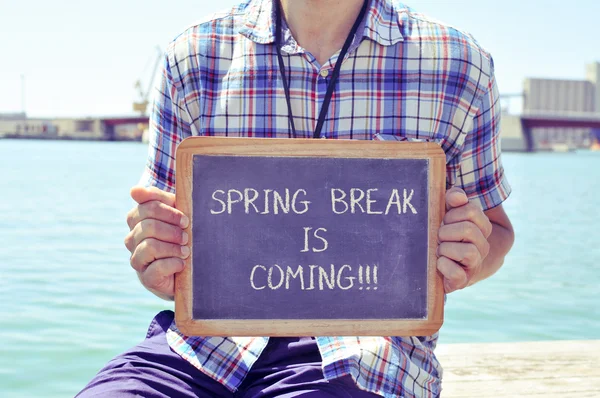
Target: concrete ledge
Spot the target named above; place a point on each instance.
(524, 369)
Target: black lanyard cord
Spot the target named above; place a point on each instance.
(334, 75)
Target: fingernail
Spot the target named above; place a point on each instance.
(185, 251)
(184, 238)
(184, 222)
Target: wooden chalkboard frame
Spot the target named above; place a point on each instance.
(224, 146)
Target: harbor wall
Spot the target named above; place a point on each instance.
(94, 129)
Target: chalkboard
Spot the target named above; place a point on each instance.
(310, 237)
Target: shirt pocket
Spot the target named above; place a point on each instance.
(413, 117)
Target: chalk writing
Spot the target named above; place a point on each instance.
(316, 235)
(313, 277)
(272, 201)
(353, 201)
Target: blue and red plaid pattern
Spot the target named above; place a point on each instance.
(405, 77)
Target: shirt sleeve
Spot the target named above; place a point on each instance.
(480, 173)
(169, 125)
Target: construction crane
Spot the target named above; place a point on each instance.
(141, 106)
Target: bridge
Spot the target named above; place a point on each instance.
(556, 119)
(110, 123)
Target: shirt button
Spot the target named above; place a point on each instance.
(324, 73)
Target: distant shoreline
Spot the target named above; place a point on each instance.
(66, 138)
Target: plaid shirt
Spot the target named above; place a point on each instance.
(405, 77)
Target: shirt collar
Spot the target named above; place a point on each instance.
(381, 25)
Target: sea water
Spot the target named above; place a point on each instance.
(69, 301)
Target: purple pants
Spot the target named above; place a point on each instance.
(288, 367)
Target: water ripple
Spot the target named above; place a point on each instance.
(70, 297)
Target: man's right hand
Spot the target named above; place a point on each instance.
(156, 240)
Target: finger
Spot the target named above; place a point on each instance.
(464, 231)
(155, 229)
(455, 276)
(159, 276)
(456, 197)
(464, 253)
(470, 212)
(156, 210)
(145, 194)
(150, 250)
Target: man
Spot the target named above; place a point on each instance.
(265, 69)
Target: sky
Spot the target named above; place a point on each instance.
(82, 58)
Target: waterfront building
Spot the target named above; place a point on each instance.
(555, 98)
(128, 128)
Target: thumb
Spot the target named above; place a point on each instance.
(146, 194)
(456, 197)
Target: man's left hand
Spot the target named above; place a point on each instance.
(463, 241)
